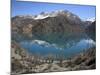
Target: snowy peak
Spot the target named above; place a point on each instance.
(91, 19)
(66, 13)
(44, 15)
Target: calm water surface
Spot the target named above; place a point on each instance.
(66, 46)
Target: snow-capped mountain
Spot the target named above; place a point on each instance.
(91, 19)
(44, 15)
(54, 23)
(66, 13)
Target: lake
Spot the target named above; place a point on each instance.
(66, 46)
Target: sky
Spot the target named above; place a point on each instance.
(35, 8)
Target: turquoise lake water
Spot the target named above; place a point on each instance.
(58, 46)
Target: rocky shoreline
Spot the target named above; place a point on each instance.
(22, 62)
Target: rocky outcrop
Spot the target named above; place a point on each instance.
(83, 61)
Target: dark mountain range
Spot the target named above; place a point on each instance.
(91, 30)
(92, 27)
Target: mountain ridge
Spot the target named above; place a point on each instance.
(61, 23)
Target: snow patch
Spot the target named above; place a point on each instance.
(41, 17)
(89, 41)
(91, 19)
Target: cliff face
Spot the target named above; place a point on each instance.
(58, 23)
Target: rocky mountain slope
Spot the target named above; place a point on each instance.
(58, 22)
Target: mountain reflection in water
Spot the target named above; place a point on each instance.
(67, 45)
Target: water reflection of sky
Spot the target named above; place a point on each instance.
(42, 49)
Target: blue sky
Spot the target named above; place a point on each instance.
(34, 8)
